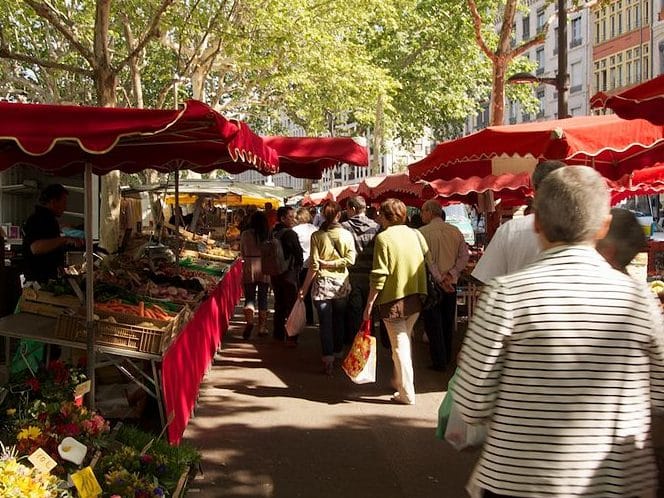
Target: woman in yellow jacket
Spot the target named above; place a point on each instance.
(397, 284)
(332, 252)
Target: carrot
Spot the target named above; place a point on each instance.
(141, 309)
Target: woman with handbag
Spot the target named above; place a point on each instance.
(256, 284)
(398, 283)
(332, 252)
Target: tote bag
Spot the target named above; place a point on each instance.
(297, 318)
(360, 362)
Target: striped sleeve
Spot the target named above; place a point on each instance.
(656, 353)
(482, 355)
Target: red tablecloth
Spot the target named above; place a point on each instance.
(192, 352)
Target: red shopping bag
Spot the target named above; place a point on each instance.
(360, 362)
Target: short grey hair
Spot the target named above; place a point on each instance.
(543, 169)
(625, 235)
(433, 207)
(357, 203)
(572, 204)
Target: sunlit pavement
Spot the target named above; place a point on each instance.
(270, 424)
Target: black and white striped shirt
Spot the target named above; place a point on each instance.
(563, 360)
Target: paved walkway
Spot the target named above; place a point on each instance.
(269, 424)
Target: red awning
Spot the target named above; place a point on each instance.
(643, 101)
(63, 139)
(308, 157)
(611, 145)
(647, 181)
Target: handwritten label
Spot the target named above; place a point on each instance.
(42, 461)
(82, 388)
(86, 483)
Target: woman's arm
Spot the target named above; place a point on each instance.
(307, 282)
(371, 299)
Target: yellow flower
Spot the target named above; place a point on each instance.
(30, 432)
(11, 411)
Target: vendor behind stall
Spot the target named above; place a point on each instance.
(43, 246)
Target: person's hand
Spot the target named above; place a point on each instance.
(448, 283)
(325, 265)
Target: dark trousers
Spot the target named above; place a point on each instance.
(285, 294)
(308, 304)
(331, 313)
(357, 300)
(491, 494)
(439, 326)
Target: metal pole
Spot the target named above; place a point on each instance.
(561, 77)
(89, 285)
(177, 220)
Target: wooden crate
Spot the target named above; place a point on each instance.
(145, 335)
(45, 303)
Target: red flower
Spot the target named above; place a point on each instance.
(69, 430)
(34, 384)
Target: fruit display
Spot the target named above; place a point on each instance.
(657, 286)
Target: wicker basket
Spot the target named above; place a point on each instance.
(129, 332)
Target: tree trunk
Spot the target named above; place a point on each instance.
(377, 137)
(497, 112)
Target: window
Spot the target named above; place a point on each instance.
(623, 68)
(525, 25)
(539, 58)
(577, 38)
(540, 98)
(555, 41)
(540, 20)
(576, 77)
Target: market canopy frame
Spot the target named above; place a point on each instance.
(643, 101)
(609, 144)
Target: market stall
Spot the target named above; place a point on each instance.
(68, 139)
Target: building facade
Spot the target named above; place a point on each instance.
(610, 46)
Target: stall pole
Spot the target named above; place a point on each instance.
(177, 220)
(89, 285)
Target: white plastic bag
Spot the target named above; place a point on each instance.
(462, 435)
(297, 319)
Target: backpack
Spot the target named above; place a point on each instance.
(273, 261)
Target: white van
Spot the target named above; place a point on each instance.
(457, 215)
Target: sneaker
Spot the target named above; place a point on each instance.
(398, 398)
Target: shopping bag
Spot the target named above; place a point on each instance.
(297, 319)
(462, 435)
(445, 408)
(360, 362)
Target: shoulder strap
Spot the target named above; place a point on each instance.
(333, 244)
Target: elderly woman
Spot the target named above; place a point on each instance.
(398, 282)
(332, 252)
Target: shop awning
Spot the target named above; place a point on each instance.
(62, 139)
(611, 145)
(643, 101)
(647, 181)
(308, 157)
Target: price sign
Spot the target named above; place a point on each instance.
(86, 483)
(42, 461)
(82, 388)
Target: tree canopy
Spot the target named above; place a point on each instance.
(394, 66)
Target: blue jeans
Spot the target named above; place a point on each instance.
(332, 318)
(250, 295)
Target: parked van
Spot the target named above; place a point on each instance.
(457, 215)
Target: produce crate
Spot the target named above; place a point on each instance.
(130, 332)
(46, 303)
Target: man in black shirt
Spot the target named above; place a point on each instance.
(285, 286)
(43, 246)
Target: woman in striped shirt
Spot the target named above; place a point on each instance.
(563, 360)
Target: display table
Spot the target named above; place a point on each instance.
(187, 360)
(179, 370)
